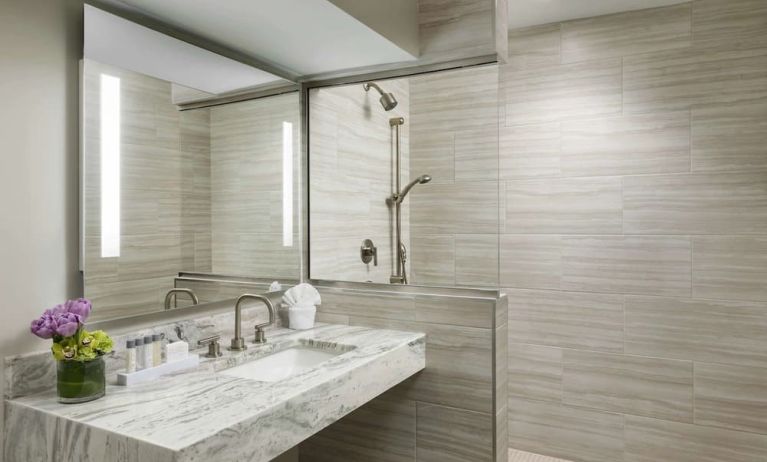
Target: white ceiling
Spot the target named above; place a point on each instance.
(305, 36)
(112, 40)
(525, 13)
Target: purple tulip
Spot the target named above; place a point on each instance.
(45, 326)
(67, 323)
(81, 307)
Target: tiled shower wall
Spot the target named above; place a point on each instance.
(165, 194)
(633, 156)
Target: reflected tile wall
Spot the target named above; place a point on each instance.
(165, 194)
(634, 241)
(351, 164)
(246, 170)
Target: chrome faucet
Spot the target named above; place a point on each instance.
(173, 292)
(238, 343)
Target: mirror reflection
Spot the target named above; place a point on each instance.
(210, 190)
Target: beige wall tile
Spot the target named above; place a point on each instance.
(565, 431)
(653, 440)
(528, 151)
(465, 99)
(433, 153)
(724, 203)
(627, 264)
(432, 259)
(742, 22)
(659, 388)
(676, 80)
(531, 261)
(583, 205)
(456, 208)
(730, 396)
(628, 33)
(626, 145)
(452, 29)
(536, 46)
(459, 370)
(729, 267)
(535, 372)
(453, 435)
(476, 260)
(476, 154)
(383, 430)
(375, 306)
(566, 319)
(560, 92)
(501, 362)
(729, 137)
(458, 311)
(701, 330)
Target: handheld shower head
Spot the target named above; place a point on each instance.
(423, 179)
(388, 101)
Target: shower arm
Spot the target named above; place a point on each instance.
(367, 86)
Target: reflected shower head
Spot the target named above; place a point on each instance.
(423, 179)
(388, 101)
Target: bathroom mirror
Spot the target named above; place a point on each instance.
(403, 180)
(181, 180)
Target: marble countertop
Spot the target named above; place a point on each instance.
(203, 415)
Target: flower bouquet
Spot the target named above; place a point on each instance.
(79, 354)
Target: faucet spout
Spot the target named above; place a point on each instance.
(238, 342)
(174, 292)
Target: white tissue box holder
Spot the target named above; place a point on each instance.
(153, 373)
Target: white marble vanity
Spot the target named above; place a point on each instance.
(207, 414)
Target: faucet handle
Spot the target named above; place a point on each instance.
(214, 349)
(260, 336)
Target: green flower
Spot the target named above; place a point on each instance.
(101, 342)
(85, 354)
(66, 348)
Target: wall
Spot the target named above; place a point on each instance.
(634, 252)
(351, 165)
(448, 412)
(165, 194)
(454, 138)
(246, 162)
(38, 165)
(455, 29)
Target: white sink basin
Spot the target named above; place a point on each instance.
(283, 364)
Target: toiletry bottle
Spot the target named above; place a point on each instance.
(148, 352)
(156, 349)
(130, 356)
(140, 364)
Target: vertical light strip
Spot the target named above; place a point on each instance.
(110, 166)
(287, 184)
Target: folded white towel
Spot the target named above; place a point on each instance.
(302, 294)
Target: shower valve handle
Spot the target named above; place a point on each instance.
(368, 251)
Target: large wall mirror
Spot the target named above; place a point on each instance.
(404, 184)
(177, 178)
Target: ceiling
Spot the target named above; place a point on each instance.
(525, 13)
(305, 37)
(112, 40)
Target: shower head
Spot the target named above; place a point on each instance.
(423, 179)
(388, 101)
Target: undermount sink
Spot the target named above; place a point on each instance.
(283, 364)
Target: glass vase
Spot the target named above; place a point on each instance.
(80, 381)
